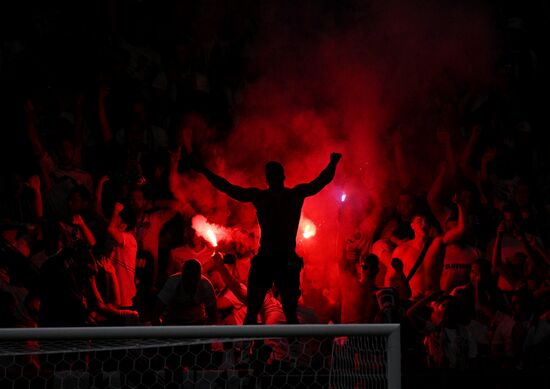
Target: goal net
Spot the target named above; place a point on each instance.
(262, 356)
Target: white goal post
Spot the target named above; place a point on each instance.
(356, 348)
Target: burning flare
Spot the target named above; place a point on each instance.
(212, 233)
(308, 228)
(211, 237)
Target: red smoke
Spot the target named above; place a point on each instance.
(212, 233)
(325, 86)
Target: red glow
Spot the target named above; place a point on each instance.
(308, 228)
(363, 93)
(212, 238)
(212, 233)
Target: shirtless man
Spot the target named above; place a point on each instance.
(424, 279)
(278, 211)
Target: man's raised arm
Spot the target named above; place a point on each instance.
(236, 192)
(322, 180)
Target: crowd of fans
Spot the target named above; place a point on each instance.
(93, 233)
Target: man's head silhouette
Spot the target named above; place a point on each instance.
(191, 275)
(274, 174)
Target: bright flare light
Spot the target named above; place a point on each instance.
(343, 197)
(212, 233)
(211, 237)
(308, 228)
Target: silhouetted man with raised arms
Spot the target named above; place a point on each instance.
(278, 210)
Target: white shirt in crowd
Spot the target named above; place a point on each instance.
(124, 262)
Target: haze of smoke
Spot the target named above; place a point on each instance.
(326, 87)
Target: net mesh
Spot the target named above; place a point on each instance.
(315, 362)
(360, 362)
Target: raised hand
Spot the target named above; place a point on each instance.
(217, 259)
(77, 220)
(118, 208)
(104, 179)
(34, 183)
(335, 157)
(108, 266)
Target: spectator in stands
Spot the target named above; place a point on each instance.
(530, 215)
(486, 310)
(8, 307)
(62, 287)
(398, 228)
(21, 200)
(352, 307)
(457, 255)
(449, 343)
(17, 299)
(399, 281)
(231, 305)
(103, 292)
(187, 298)
(317, 295)
(125, 255)
(58, 177)
(271, 311)
(79, 203)
(140, 135)
(21, 237)
(145, 299)
(106, 279)
(136, 133)
(197, 248)
(531, 333)
(418, 256)
(515, 254)
(149, 222)
(81, 232)
(368, 303)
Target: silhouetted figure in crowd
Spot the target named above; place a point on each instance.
(278, 211)
(187, 298)
(62, 281)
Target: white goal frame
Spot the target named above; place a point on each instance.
(391, 331)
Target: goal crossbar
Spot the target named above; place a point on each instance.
(252, 331)
(389, 331)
